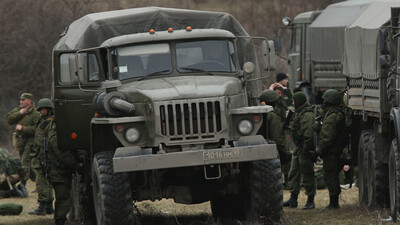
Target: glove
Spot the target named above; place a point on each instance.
(313, 156)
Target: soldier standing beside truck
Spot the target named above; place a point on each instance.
(275, 126)
(44, 189)
(24, 117)
(60, 165)
(302, 166)
(330, 137)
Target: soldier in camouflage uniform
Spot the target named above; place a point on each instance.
(333, 125)
(302, 166)
(275, 126)
(24, 117)
(43, 187)
(10, 175)
(61, 165)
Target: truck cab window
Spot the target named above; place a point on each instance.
(89, 71)
(296, 40)
(142, 60)
(208, 55)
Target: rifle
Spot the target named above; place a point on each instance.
(45, 158)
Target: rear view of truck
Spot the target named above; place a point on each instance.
(162, 103)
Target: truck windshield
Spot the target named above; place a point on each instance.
(141, 60)
(207, 55)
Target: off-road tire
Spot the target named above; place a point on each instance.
(112, 192)
(363, 166)
(377, 178)
(394, 180)
(261, 198)
(391, 85)
(82, 210)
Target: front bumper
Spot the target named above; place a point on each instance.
(127, 159)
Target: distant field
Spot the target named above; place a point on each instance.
(166, 212)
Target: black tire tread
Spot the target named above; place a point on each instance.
(115, 192)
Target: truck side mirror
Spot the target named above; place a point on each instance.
(268, 55)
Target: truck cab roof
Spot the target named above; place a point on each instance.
(93, 29)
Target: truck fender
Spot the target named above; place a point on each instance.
(395, 118)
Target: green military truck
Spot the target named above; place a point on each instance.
(162, 103)
(317, 45)
(359, 40)
(371, 64)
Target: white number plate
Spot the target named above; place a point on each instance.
(222, 154)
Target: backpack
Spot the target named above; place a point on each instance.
(348, 125)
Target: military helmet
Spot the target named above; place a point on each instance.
(268, 96)
(45, 103)
(332, 96)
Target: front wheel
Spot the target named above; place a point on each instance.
(112, 192)
(394, 180)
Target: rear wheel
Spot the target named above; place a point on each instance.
(112, 192)
(377, 179)
(394, 180)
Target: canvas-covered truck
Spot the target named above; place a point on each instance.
(162, 103)
(317, 45)
(371, 64)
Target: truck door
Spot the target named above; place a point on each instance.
(73, 97)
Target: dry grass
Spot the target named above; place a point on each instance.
(169, 213)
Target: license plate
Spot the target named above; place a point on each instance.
(222, 154)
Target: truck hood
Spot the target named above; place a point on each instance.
(184, 87)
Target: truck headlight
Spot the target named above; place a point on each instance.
(132, 135)
(245, 127)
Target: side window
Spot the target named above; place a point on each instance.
(88, 68)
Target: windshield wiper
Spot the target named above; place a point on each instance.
(154, 73)
(196, 70)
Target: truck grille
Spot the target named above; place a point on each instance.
(190, 120)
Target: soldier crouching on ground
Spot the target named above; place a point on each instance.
(10, 175)
(60, 165)
(43, 187)
(24, 117)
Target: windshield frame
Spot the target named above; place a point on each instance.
(173, 59)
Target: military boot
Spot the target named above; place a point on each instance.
(49, 208)
(292, 202)
(333, 203)
(60, 222)
(310, 203)
(41, 210)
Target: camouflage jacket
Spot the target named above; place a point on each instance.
(8, 164)
(61, 163)
(275, 132)
(331, 131)
(28, 122)
(301, 127)
(42, 127)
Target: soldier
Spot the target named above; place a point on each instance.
(282, 81)
(24, 117)
(333, 125)
(61, 164)
(44, 189)
(10, 175)
(302, 166)
(275, 126)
